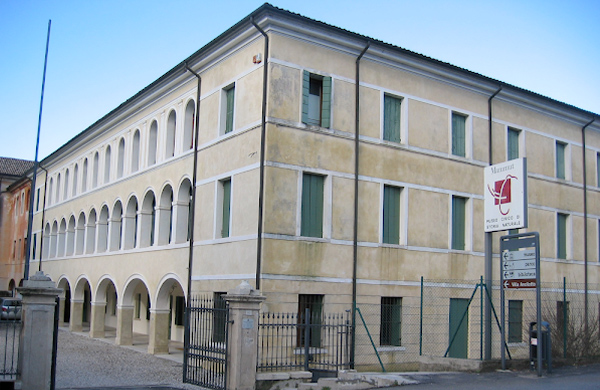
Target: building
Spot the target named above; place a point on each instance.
(329, 167)
(14, 211)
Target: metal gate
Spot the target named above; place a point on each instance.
(205, 354)
(316, 342)
(10, 336)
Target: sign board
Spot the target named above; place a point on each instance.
(519, 262)
(505, 196)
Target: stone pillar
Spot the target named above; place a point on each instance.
(124, 325)
(76, 323)
(97, 321)
(244, 304)
(35, 350)
(159, 331)
(61, 309)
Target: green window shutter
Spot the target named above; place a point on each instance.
(312, 206)
(513, 144)
(458, 222)
(560, 160)
(305, 90)
(230, 95)
(515, 321)
(391, 118)
(226, 207)
(326, 105)
(561, 236)
(458, 135)
(391, 215)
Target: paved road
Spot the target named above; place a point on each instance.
(563, 378)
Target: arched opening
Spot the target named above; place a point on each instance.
(148, 220)
(58, 183)
(134, 311)
(107, 157)
(95, 170)
(121, 158)
(80, 234)
(12, 287)
(66, 186)
(45, 246)
(103, 230)
(75, 178)
(84, 175)
(152, 142)
(135, 152)
(104, 308)
(62, 232)
(188, 126)
(70, 244)
(53, 240)
(182, 211)
(116, 227)
(90, 233)
(50, 188)
(131, 222)
(81, 305)
(171, 134)
(169, 313)
(165, 216)
(65, 301)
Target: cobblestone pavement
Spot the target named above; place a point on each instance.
(86, 363)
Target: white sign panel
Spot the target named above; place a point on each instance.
(505, 195)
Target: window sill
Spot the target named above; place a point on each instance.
(391, 348)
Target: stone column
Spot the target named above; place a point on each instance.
(244, 305)
(159, 331)
(61, 309)
(76, 323)
(35, 349)
(97, 321)
(124, 325)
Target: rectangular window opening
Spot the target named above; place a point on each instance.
(391, 215)
(560, 160)
(312, 205)
(458, 222)
(391, 321)
(459, 134)
(391, 118)
(513, 144)
(310, 310)
(316, 99)
(219, 317)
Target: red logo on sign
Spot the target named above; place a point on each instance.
(501, 193)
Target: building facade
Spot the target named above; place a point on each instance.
(330, 168)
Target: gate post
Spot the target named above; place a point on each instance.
(244, 305)
(35, 351)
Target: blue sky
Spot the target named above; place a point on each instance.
(103, 52)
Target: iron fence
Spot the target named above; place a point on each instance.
(10, 336)
(304, 341)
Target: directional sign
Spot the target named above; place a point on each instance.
(520, 283)
(518, 264)
(519, 255)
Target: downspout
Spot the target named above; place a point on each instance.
(585, 230)
(43, 215)
(261, 185)
(488, 247)
(191, 219)
(356, 172)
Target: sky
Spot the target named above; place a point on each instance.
(102, 52)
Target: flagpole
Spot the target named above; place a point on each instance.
(35, 165)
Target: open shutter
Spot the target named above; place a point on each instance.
(391, 118)
(458, 223)
(326, 105)
(226, 208)
(305, 90)
(458, 135)
(229, 115)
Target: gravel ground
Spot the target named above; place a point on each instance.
(85, 363)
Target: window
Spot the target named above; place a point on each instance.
(95, 170)
(75, 174)
(58, 183)
(171, 126)
(458, 134)
(37, 201)
(179, 310)
(33, 246)
(135, 152)
(50, 189)
(515, 321)
(84, 175)
(66, 187)
(391, 215)
(512, 144)
(228, 109)
(391, 321)
(152, 142)
(316, 99)
(458, 222)
(120, 158)
(188, 127)
(312, 206)
(225, 207)
(561, 235)
(219, 317)
(310, 309)
(107, 165)
(391, 118)
(560, 160)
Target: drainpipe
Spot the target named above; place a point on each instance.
(356, 165)
(488, 249)
(191, 219)
(585, 232)
(261, 185)
(43, 215)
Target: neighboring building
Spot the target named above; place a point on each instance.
(118, 196)
(14, 212)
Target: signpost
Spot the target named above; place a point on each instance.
(520, 269)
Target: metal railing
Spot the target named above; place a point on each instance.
(10, 336)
